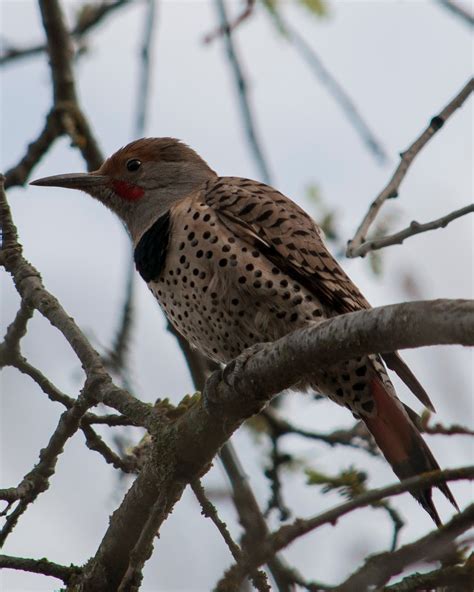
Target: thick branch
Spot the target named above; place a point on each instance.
(176, 460)
(407, 157)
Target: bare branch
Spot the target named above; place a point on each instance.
(209, 510)
(37, 480)
(30, 287)
(458, 10)
(251, 518)
(48, 388)
(19, 174)
(378, 569)
(391, 189)
(96, 443)
(116, 357)
(242, 92)
(424, 425)
(10, 347)
(461, 576)
(40, 566)
(146, 62)
(414, 228)
(336, 90)
(288, 533)
(356, 437)
(90, 16)
(231, 26)
(257, 378)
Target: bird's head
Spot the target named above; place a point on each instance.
(141, 181)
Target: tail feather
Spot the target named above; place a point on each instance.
(402, 445)
(395, 363)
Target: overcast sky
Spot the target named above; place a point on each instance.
(401, 62)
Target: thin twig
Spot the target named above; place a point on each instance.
(209, 510)
(391, 189)
(146, 54)
(242, 93)
(96, 443)
(414, 228)
(37, 480)
(116, 358)
(40, 566)
(52, 391)
(356, 437)
(88, 18)
(458, 10)
(378, 569)
(289, 533)
(30, 287)
(251, 517)
(336, 90)
(231, 26)
(460, 576)
(10, 347)
(18, 174)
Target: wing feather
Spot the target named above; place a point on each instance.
(269, 221)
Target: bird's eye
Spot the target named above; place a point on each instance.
(133, 164)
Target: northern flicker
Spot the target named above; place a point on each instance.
(233, 262)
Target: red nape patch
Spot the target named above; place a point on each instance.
(127, 190)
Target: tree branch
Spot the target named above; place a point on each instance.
(208, 509)
(231, 26)
(378, 569)
(390, 191)
(10, 347)
(458, 10)
(356, 437)
(289, 533)
(37, 480)
(335, 89)
(460, 576)
(31, 289)
(40, 566)
(414, 228)
(90, 16)
(258, 377)
(18, 174)
(242, 93)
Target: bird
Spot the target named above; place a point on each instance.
(234, 263)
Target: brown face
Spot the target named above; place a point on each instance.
(131, 170)
(140, 181)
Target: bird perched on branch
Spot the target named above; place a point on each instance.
(233, 263)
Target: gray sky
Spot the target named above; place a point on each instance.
(401, 62)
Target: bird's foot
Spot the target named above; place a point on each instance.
(223, 385)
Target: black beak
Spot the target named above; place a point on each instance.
(73, 181)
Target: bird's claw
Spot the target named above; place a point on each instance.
(219, 383)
